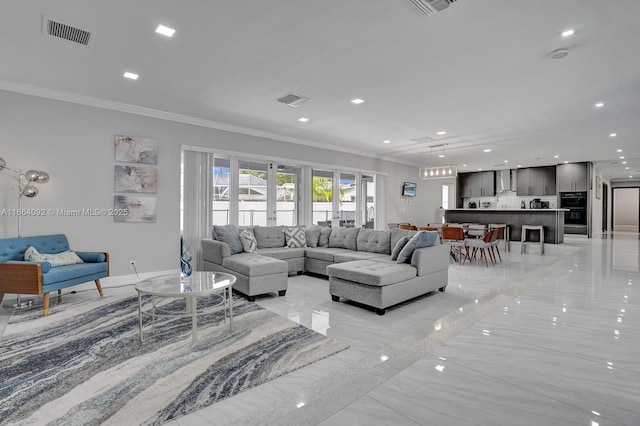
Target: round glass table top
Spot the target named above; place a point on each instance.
(173, 284)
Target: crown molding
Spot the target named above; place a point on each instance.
(57, 95)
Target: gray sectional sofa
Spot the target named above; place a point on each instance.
(358, 263)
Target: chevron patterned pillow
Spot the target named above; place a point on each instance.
(294, 237)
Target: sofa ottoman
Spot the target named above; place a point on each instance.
(380, 284)
(257, 274)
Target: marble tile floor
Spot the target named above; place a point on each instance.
(547, 340)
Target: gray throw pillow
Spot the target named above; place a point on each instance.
(229, 234)
(313, 235)
(323, 241)
(419, 240)
(399, 246)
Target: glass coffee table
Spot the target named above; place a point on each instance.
(172, 285)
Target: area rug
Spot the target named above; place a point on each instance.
(86, 366)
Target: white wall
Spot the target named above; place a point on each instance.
(74, 144)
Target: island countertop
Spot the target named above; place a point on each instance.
(551, 219)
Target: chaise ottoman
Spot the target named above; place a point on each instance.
(381, 284)
(257, 274)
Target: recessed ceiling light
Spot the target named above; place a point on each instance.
(599, 104)
(165, 31)
(613, 135)
(630, 177)
(386, 141)
(566, 162)
(479, 169)
(441, 156)
(506, 161)
(624, 162)
(440, 133)
(357, 101)
(487, 150)
(618, 150)
(622, 157)
(556, 156)
(626, 168)
(464, 165)
(303, 119)
(567, 33)
(130, 75)
(519, 165)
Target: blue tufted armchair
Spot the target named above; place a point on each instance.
(25, 277)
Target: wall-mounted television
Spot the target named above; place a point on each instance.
(409, 189)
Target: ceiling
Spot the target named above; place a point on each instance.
(479, 70)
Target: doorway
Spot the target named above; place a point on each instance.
(626, 209)
(605, 207)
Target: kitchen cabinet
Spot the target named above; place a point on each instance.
(573, 177)
(537, 181)
(478, 184)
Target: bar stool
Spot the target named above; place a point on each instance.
(524, 241)
(506, 235)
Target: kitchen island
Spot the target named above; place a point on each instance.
(551, 219)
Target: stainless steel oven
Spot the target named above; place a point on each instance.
(575, 220)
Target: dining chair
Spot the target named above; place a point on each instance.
(454, 237)
(495, 244)
(408, 227)
(484, 245)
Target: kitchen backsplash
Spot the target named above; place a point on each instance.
(508, 200)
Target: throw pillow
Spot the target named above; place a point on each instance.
(229, 234)
(312, 235)
(54, 259)
(295, 237)
(399, 246)
(323, 240)
(419, 240)
(249, 243)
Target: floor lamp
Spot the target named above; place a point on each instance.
(25, 189)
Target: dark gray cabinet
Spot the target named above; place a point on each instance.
(478, 184)
(537, 181)
(573, 177)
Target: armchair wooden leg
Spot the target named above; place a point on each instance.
(45, 304)
(99, 287)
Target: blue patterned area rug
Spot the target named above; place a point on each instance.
(85, 365)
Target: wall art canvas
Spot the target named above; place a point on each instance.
(598, 187)
(136, 179)
(136, 150)
(138, 208)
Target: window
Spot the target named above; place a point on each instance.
(288, 195)
(221, 179)
(322, 197)
(252, 194)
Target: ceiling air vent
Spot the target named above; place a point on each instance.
(293, 100)
(429, 7)
(64, 31)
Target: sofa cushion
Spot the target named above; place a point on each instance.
(282, 252)
(325, 233)
(399, 246)
(374, 241)
(69, 272)
(324, 253)
(358, 255)
(344, 238)
(419, 240)
(294, 237)
(269, 236)
(254, 265)
(14, 248)
(248, 240)
(67, 257)
(371, 272)
(397, 233)
(229, 234)
(312, 236)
